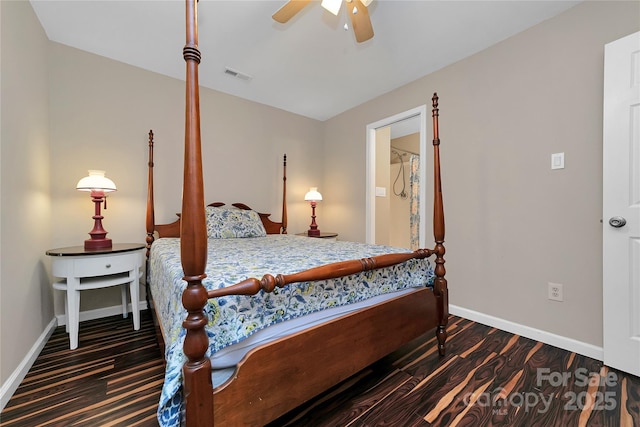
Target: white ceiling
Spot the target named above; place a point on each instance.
(309, 66)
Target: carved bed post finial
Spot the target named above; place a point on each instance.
(193, 243)
(284, 195)
(435, 113)
(440, 283)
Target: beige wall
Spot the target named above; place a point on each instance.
(383, 141)
(25, 292)
(512, 223)
(399, 225)
(101, 113)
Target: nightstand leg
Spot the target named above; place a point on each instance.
(123, 293)
(134, 290)
(66, 310)
(73, 311)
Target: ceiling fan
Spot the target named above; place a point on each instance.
(357, 10)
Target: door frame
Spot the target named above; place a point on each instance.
(370, 192)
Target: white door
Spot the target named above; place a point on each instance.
(621, 205)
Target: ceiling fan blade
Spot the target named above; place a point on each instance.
(360, 21)
(287, 11)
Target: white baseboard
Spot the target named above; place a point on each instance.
(559, 341)
(99, 313)
(11, 384)
(9, 387)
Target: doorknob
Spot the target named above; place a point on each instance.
(617, 221)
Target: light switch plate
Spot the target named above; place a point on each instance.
(381, 191)
(557, 161)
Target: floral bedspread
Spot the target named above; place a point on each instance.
(233, 318)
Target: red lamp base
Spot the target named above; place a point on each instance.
(99, 239)
(95, 244)
(313, 228)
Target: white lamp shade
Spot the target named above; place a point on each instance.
(313, 195)
(332, 6)
(96, 181)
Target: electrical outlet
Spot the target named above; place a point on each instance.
(555, 292)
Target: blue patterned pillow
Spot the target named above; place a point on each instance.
(228, 222)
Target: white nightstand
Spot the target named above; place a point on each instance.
(81, 270)
(323, 235)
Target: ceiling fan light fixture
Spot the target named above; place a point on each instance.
(356, 9)
(332, 6)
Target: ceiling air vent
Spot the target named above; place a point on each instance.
(237, 74)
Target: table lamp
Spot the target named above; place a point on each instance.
(98, 185)
(313, 196)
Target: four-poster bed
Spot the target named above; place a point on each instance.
(368, 300)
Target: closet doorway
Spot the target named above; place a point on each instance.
(396, 208)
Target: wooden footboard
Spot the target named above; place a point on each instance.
(269, 282)
(276, 378)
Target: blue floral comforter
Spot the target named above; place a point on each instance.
(233, 318)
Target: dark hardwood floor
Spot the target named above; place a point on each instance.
(113, 378)
(488, 378)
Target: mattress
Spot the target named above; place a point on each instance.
(236, 319)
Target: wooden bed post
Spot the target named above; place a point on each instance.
(193, 243)
(150, 222)
(440, 283)
(284, 196)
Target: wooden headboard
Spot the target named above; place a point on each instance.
(173, 229)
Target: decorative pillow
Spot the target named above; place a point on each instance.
(227, 222)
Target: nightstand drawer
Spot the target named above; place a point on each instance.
(102, 266)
